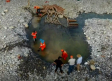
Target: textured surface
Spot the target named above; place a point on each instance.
(12, 31)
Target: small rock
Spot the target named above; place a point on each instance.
(5, 27)
(13, 62)
(3, 13)
(44, 67)
(55, 76)
(11, 27)
(21, 21)
(21, 60)
(4, 45)
(12, 56)
(97, 55)
(92, 67)
(88, 38)
(10, 68)
(4, 37)
(104, 32)
(86, 63)
(98, 68)
(26, 55)
(25, 24)
(5, 10)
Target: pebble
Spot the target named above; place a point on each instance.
(25, 24)
(26, 55)
(11, 27)
(86, 63)
(88, 38)
(21, 21)
(108, 56)
(4, 45)
(6, 10)
(3, 13)
(104, 32)
(98, 68)
(44, 67)
(4, 37)
(5, 27)
(13, 56)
